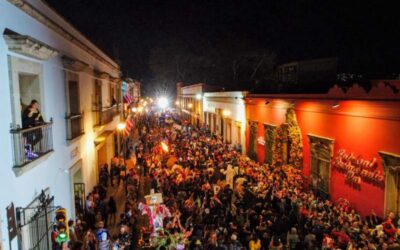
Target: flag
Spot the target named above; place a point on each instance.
(128, 98)
(128, 126)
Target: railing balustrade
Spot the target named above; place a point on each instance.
(105, 115)
(31, 143)
(74, 126)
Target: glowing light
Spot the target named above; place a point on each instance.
(134, 110)
(177, 103)
(121, 126)
(336, 105)
(162, 102)
(164, 147)
(226, 112)
(199, 96)
(190, 105)
(140, 109)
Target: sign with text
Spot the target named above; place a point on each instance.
(356, 169)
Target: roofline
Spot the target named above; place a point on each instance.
(244, 93)
(309, 60)
(317, 96)
(193, 85)
(32, 11)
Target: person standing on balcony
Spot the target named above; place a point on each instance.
(31, 117)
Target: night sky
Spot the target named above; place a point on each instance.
(361, 34)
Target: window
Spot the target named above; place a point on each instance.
(74, 115)
(97, 99)
(269, 134)
(26, 84)
(229, 131)
(114, 94)
(321, 154)
(239, 134)
(391, 165)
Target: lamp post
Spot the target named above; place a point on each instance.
(121, 127)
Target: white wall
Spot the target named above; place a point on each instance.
(50, 173)
(233, 102)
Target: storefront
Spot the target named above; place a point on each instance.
(345, 143)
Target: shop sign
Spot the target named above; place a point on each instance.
(261, 141)
(357, 170)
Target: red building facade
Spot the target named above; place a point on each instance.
(347, 144)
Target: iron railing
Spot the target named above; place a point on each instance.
(35, 223)
(105, 115)
(74, 126)
(31, 143)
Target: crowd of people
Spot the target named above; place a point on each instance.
(219, 199)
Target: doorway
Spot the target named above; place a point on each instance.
(391, 165)
(101, 156)
(321, 154)
(78, 188)
(228, 136)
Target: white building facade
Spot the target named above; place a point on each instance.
(190, 101)
(225, 114)
(43, 57)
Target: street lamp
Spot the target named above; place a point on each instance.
(162, 102)
(121, 126)
(190, 105)
(226, 113)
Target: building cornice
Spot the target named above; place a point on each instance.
(380, 92)
(36, 14)
(29, 46)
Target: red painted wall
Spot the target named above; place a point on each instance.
(359, 127)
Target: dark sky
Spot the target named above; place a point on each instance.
(362, 34)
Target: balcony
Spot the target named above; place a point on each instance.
(30, 145)
(74, 126)
(105, 115)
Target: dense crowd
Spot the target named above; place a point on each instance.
(223, 200)
(220, 199)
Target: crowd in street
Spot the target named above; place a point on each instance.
(220, 199)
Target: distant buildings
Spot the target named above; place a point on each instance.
(190, 101)
(224, 114)
(345, 141)
(308, 71)
(77, 86)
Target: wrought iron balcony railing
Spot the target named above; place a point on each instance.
(105, 115)
(74, 126)
(31, 143)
